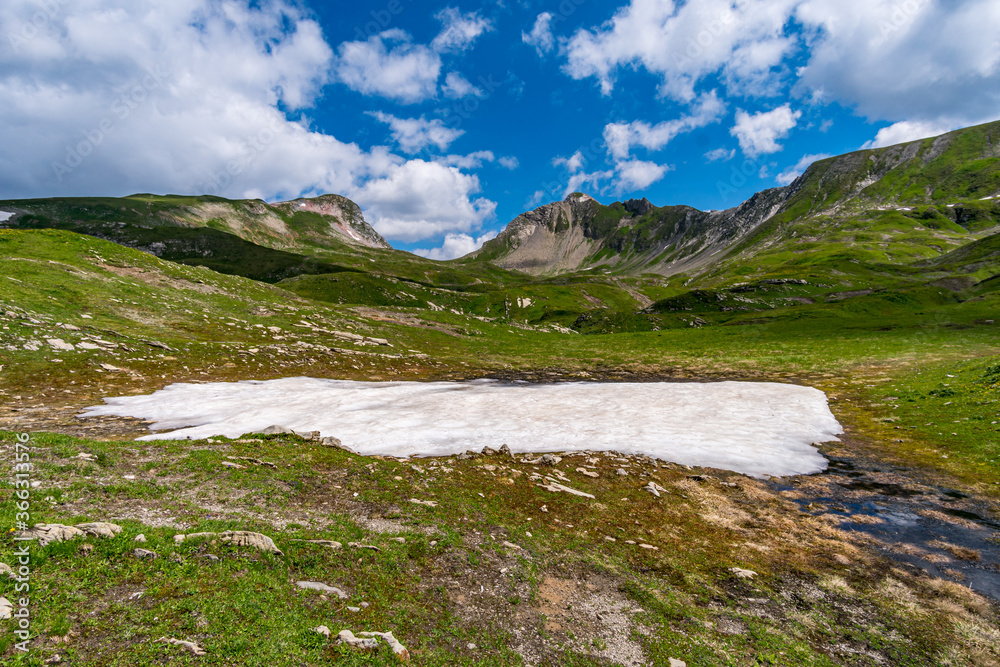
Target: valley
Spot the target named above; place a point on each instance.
(873, 277)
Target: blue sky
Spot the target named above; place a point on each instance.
(445, 120)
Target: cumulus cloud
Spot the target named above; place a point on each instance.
(540, 36)
(637, 174)
(759, 133)
(457, 86)
(886, 59)
(509, 162)
(621, 137)
(416, 200)
(455, 246)
(459, 30)
(389, 65)
(192, 97)
(573, 163)
(415, 134)
(906, 131)
(470, 161)
(796, 170)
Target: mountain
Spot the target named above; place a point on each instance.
(947, 182)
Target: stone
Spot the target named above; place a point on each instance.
(60, 344)
(190, 646)
(347, 637)
(674, 662)
(333, 544)
(230, 464)
(359, 545)
(85, 548)
(354, 609)
(145, 553)
(489, 451)
(743, 574)
(550, 459)
(275, 429)
(6, 609)
(245, 538)
(621, 472)
(428, 503)
(397, 648)
(510, 545)
(698, 478)
(6, 569)
(505, 450)
(556, 487)
(654, 488)
(588, 473)
(100, 528)
(323, 630)
(401, 540)
(52, 532)
(649, 546)
(608, 538)
(140, 538)
(319, 586)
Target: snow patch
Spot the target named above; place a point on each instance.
(5, 216)
(753, 428)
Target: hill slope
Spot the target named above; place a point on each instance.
(952, 181)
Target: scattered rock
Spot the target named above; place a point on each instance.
(323, 630)
(698, 478)
(100, 528)
(550, 459)
(109, 367)
(191, 646)
(401, 540)
(6, 569)
(85, 548)
(588, 473)
(275, 429)
(245, 538)
(347, 637)
(608, 538)
(145, 553)
(318, 586)
(333, 544)
(85, 456)
(556, 487)
(510, 545)
(60, 344)
(140, 538)
(230, 464)
(6, 609)
(358, 545)
(489, 451)
(621, 472)
(354, 609)
(52, 532)
(397, 648)
(674, 662)
(649, 546)
(505, 450)
(428, 503)
(743, 574)
(654, 488)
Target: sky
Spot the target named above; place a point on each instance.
(445, 120)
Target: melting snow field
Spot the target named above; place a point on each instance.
(754, 428)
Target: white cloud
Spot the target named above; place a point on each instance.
(470, 161)
(621, 137)
(885, 59)
(459, 31)
(457, 86)
(455, 246)
(915, 60)
(758, 133)
(540, 36)
(582, 178)
(509, 162)
(417, 200)
(415, 134)
(906, 131)
(389, 65)
(573, 163)
(720, 155)
(144, 96)
(535, 198)
(637, 174)
(683, 43)
(793, 172)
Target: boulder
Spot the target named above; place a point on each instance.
(319, 586)
(51, 532)
(100, 528)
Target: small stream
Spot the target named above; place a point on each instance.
(941, 531)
